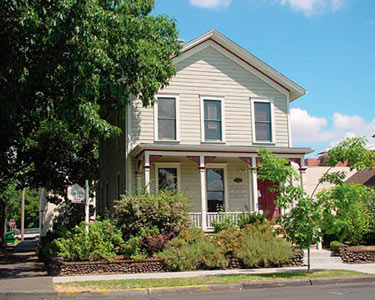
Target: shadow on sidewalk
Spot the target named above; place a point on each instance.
(22, 262)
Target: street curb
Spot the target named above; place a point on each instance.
(200, 289)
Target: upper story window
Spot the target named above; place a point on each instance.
(166, 116)
(212, 122)
(263, 121)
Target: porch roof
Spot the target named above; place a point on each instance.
(216, 148)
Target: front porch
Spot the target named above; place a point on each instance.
(213, 180)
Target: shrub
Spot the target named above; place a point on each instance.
(335, 244)
(260, 252)
(347, 212)
(260, 247)
(133, 246)
(225, 222)
(229, 241)
(192, 250)
(102, 242)
(165, 211)
(248, 217)
(156, 242)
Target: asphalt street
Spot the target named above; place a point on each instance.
(332, 292)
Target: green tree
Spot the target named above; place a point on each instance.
(301, 220)
(65, 65)
(347, 209)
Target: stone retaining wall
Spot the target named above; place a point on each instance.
(58, 267)
(352, 256)
(297, 260)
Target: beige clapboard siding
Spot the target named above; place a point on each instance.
(211, 73)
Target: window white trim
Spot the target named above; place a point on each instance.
(203, 134)
(156, 126)
(223, 166)
(167, 165)
(289, 125)
(264, 100)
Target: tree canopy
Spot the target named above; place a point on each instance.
(64, 65)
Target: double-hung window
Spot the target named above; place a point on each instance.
(263, 123)
(167, 119)
(212, 120)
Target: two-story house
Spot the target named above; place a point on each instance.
(203, 134)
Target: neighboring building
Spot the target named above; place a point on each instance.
(203, 134)
(365, 177)
(316, 168)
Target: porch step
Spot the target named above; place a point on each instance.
(321, 257)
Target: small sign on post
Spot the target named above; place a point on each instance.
(76, 193)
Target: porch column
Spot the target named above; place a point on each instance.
(302, 173)
(202, 171)
(147, 172)
(254, 178)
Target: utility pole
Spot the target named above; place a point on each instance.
(22, 214)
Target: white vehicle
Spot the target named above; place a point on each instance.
(31, 233)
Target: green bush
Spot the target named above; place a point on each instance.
(225, 222)
(229, 241)
(102, 242)
(260, 247)
(143, 218)
(247, 218)
(166, 211)
(347, 212)
(335, 244)
(193, 250)
(133, 246)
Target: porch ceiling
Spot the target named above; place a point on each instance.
(210, 148)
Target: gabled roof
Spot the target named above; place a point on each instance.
(295, 91)
(366, 177)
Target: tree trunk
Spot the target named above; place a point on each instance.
(308, 260)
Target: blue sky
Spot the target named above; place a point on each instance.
(326, 46)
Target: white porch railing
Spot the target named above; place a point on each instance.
(211, 217)
(196, 218)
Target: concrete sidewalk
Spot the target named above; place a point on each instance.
(22, 272)
(365, 268)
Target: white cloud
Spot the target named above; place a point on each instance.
(216, 4)
(348, 122)
(310, 129)
(304, 126)
(311, 7)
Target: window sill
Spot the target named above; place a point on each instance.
(213, 142)
(264, 143)
(166, 142)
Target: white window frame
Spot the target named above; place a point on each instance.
(156, 114)
(165, 166)
(271, 102)
(223, 166)
(203, 136)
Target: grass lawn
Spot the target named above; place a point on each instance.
(195, 281)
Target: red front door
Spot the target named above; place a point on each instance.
(266, 199)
